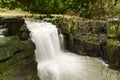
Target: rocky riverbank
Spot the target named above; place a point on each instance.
(17, 60)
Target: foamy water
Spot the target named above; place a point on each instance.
(55, 64)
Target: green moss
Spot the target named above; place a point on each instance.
(8, 46)
(20, 65)
(111, 31)
(113, 52)
(112, 46)
(65, 29)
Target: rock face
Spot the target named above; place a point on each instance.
(17, 59)
(82, 35)
(83, 47)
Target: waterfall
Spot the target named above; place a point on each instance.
(45, 37)
(61, 38)
(55, 64)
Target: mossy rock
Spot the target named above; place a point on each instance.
(21, 65)
(9, 46)
(113, 52)
(23, 33)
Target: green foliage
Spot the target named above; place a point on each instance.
(86, 8)
(11, 4)
(46, 6)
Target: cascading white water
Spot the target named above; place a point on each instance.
(44, 35)
(61, 38)
(55, 64)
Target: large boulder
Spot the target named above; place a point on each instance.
(17, 60)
